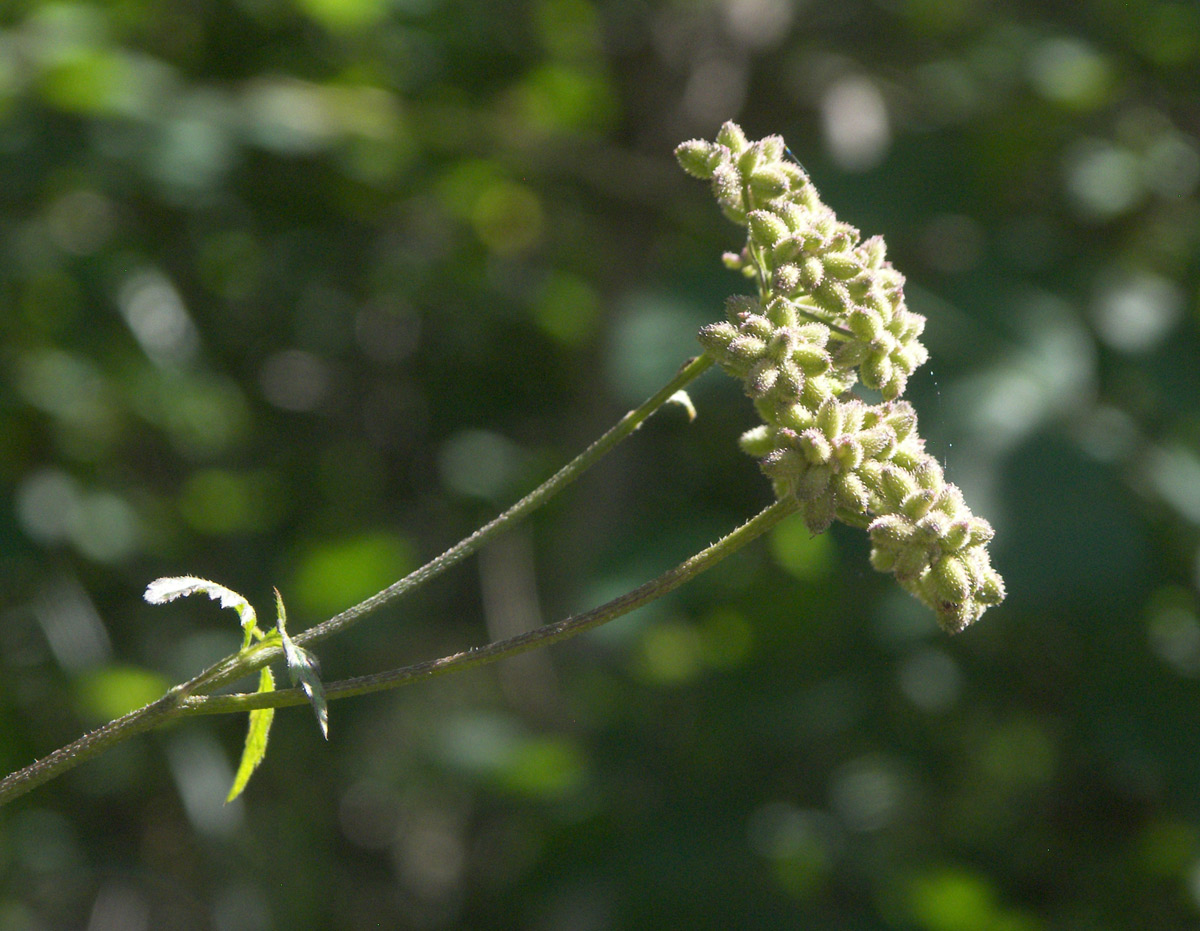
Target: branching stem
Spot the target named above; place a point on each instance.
(501, 649)
(189, 697)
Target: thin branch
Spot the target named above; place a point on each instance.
(238, 665)
(501, 649)
(121, 729)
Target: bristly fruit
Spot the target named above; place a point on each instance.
(829, 315)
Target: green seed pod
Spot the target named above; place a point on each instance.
(783, 467)
(932, 527)
(812, 273)
(716, 337)
(897, 486)
(727, 186)
(878, 302)
(814, 360)
(758, 441)
(909, 325)
(890, 280)
(787, 277)
(768, 183)
(873, 252)
(772, 148)
(731, 136)
(850, 355)
(957, 536)
(808, 198)
(883, 560)
(815, 445)
(843, 237)
(766, 228)
(699, 158)
(854, 413)
(877, 370)
(782, 313)
(842, 265)
(902, 418)
(852, 491)
(911, 562)
(794, 215)
(895, 386)
(955, 618)
(865, 323)
(813, 482)
(981, 531)
(831, 418)
(890, 532)
(796, 417)
(785, 251)
(849, 451)
(760, 327)
(762, 377)
(796, 176)
(917, 506)
(791, 379)
(950, 502)
(929, 475)
(878, 442)
(819, 513)
(833, 296)
(871, 472)
(991, 588)
(950, 580)
(747, 348)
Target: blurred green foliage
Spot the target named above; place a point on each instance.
(298, 293)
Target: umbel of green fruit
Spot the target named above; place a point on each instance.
(829, 314)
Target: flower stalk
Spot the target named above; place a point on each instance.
(828, 315)
(260, 649)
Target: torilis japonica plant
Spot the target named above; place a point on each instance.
(824, 348)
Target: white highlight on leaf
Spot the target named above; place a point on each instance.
(160, 591)
(684, 400)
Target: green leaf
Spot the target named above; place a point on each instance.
(160, 591)
(256, 738)
(303, 669)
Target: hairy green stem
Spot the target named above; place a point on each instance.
(239, 665)
(245, 662)
(501, 649)
(89, 745)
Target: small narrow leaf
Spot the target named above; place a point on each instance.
(684, 400)
(256, 738)
(160, 591)
(303, 669)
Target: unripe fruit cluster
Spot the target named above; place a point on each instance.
(829, 315)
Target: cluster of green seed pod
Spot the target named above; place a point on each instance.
(829, 314)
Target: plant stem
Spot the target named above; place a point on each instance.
(177, 703)
(245, 662)
(55, 764)
(237, 666)
(531, 502)
(501, 649)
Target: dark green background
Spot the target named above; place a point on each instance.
(296, 293)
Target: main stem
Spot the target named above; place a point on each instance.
(239, 665)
